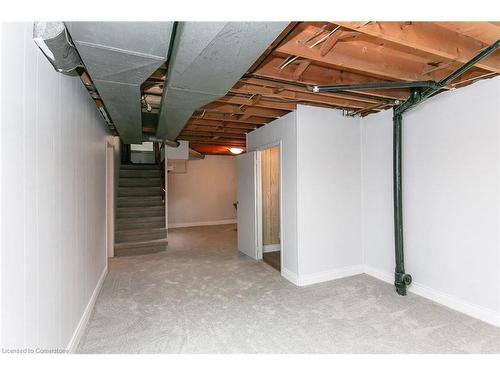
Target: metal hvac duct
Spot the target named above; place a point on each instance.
(208, 58)
(55, 43)
(119, 57)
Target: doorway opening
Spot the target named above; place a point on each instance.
(270, 211)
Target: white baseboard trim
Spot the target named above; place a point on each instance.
(473, 310)
(201, 223)
(290, 276)
(82, 324)
(378, 274)
(319, 277)
(329, 275)
(271, 248)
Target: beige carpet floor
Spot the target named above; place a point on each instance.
(201, 296)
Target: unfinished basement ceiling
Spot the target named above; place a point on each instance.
(150, 77)
(119, 57)
(329, 53)
(184, 105)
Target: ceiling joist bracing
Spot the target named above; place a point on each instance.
(309, 54)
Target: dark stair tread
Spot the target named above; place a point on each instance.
(139, 166)
(142, 219)
(139, 191)
(139, 182)
(147, 206)
(124, 212)
(141, 230)
(139, 173)
(136, 244)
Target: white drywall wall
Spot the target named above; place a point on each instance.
(321, 191)
(284, 131)
(53, 198)
(338, 200)
(377, 193)
(328, 193)
(451, 170)
(205, 194)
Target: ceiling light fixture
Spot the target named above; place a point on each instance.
(235, 150)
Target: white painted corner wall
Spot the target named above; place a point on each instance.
(451, 205)
(338, 207)
(328, 194)
(283, 130)
(53, 229)
(320, 174)
(205, 194)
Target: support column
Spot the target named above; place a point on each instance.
(401, 280)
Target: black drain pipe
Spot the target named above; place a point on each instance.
(401, 280)
(418, 95)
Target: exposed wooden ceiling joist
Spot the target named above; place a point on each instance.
(210, 139)
(242, 101)
(427, 37)
(245, 118)
(300, 96)
(237, 110)
(330, 53)
(486, 32)
(360, 57)
(324, 75)
(238, 125)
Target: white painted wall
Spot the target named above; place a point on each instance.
(283, 130)
(451, 171)
(321, 191)
(377, 194)
(329, 192)
(205, 194)
(53, 197)
(339, 219)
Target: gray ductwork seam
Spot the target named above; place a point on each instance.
(53, 40)
(119, 57)
(208, 59)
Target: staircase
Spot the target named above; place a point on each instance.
(140, 216)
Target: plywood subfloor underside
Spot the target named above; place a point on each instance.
(201, 296)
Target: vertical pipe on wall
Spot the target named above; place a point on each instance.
(401, 280)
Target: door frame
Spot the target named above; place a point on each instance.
(260, 242)
(110, 197)
(254, 249)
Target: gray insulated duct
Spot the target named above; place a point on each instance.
(208, 59)
(55, 43)
(119, 57)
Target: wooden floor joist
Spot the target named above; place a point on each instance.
(330, 53)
